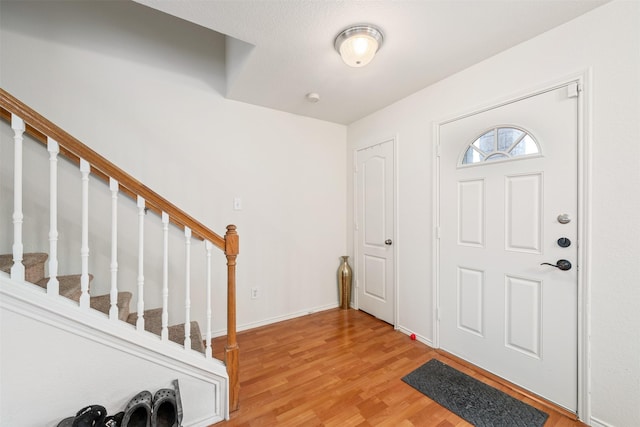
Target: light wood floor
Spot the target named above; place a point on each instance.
(340, 368)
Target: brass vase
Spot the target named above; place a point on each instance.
(344, 283)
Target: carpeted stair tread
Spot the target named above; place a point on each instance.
(176, 334)
(102, 303)
(152, 320)
(69, 286)
(153, 324)
(33, 265)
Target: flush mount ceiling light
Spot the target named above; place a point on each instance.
(358, 45)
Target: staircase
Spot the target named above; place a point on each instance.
(69, 287)
(81, 347)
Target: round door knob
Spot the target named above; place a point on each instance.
(562, 264)
(388, 242)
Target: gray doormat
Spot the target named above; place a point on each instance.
(472, 400)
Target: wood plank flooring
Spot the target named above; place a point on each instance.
(340, 368)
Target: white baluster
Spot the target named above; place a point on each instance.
(208, 247)
(140, 321)
(85, 169)
(165, 278)
(113, 310)
(53, 286)
(17, 270)
(187, 287)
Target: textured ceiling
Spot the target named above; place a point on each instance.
(277, 51)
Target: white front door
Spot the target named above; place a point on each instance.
(507, 204)
(375, 230)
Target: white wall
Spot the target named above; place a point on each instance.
(144, 90)
(605, 41)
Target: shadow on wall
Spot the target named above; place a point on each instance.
(126, 30)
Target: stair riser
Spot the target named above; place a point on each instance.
(35, 273)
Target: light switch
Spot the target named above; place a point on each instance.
(237, 204)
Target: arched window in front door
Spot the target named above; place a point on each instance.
(500, 143)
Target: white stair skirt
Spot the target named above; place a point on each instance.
(72, 358)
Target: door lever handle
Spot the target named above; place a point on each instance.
(562, 264)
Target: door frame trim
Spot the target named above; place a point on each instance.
(584, 133)
(396, 241)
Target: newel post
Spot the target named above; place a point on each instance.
(231, 250)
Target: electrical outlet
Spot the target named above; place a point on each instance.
(254, 293)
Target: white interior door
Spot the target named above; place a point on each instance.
(375, 230)
(508, 203)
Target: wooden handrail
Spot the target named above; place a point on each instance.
(39, 127)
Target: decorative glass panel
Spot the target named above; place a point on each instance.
(472, 156)
(500, 143)
(524, 147)
(507, 136)
(486, 143)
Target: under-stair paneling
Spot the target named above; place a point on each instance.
(58, 364)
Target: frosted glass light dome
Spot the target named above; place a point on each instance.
(358, 45)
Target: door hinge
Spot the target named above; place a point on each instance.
(437, 232)
(438, 150)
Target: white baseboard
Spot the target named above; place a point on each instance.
(598, 423)
(422, 339)
(276, 319)
(301, 313)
